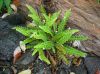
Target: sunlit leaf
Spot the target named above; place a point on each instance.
(35, 51)
(39, 34)
(44, 45)
(42, 57)
(46, 29)
(52, 19)
(64, 36)
(75, 52)
(62, 24)
(24, 30)
(34, 15)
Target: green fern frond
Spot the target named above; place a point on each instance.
(61, 51)
(7, 4)
(32, 44)
(52, 19)
(1, 4)
(42, 10)
(35, 51)
(66, 36)
(55, 28)
(28, 40)
(34, 15)
(42, 57)
(24, 30)
(46, 29)
(47, 18)
(44, 45)
(39, 34)
(64, 58)
(75, 52)
(98, 1)
(58, 36)
(62, 24)
(36, 20)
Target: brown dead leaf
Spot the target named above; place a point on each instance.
(97, 71)
(17, 54)
(16, 2)
(77, 61)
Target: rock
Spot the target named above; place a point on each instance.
(9, 40)
(6, 71)
(40, 67)
(81, 69)
(16, 19)
(92, 64)
(26, 59)
(63, 69)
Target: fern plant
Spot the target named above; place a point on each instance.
(5, 4)
(98, 1)
(49, 38)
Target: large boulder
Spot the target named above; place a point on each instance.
(9, 38)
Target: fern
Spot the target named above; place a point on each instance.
(52, 19)
(35, 51)
(44, 45)
(42, 57)
(66, 36)
(1, 3)
(75, 52)
(61, 51)
(98, 1)
(5, 4)
(46, 29)
(24, 30)
(50, 35)
(64, 20)
(34, 15)
(28, 40)
(38, 34)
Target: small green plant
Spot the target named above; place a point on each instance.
(49, 37)
(98, 1)
(5, 4)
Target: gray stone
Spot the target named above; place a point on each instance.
(92, 64)
(26, 59)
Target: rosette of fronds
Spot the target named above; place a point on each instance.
(50, 35)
